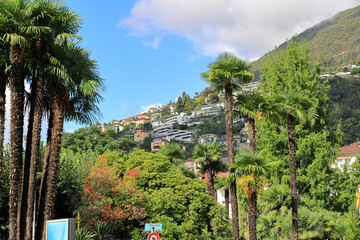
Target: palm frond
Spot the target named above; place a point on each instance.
(36, 30)
(15, 39)
(62, 38)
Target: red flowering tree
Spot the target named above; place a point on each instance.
(108, 198)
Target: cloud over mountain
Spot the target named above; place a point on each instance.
(249, 28)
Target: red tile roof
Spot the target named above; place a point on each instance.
(352, 148)
(141, 118)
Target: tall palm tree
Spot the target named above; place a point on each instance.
(60, 21)
(207, 154)
(16, 31)
(249, 169)
(250, 106)
(79, 93)
(226, 74)
(295, 107)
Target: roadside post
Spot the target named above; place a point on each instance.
(154, 229)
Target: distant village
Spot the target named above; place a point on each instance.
(163, 130)
(173, 127)
(349, 70)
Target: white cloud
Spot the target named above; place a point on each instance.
(146, 108)
(155, 43)
(249, 28)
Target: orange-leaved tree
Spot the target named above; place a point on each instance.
(109, 198)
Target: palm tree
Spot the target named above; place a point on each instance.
(16, 30)
(207, 154)
(57, 17)
(173, 151)
(250, 105)
(294, 107)
(249, 169)
(81, 93)
(226, 74)
(275, 197)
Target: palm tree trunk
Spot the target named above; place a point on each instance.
(24, 197)
(226, 193)
(43, 186)
(292, 166)
(230, 146)
(252, 215)
(34, 156)
(17, 121)
(215, 190)
(209, 177)
(3, 79)
(59, 108)
(251, 126)
(33, 148)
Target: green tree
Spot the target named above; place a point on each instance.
(178, 201)
(199, 101)
(250, 169)
(295, 107)
(226, 74)
(179, 105)
(214, 98)
(15, 32)
(67, 101)
(294, 84)
(73, 170)
(165, 111)
(173, 151)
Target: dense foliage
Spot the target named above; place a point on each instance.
(92, 138)
(345, 98)
(146, 187)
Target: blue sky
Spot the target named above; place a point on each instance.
(137, 74)
(150, 51)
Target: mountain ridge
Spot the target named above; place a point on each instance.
(333, 42)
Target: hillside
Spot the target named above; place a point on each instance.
(333, 42)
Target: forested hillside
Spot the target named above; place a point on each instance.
(345, 98)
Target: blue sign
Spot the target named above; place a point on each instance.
(153, 227)
(61, 229)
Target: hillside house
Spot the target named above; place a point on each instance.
(326, 75)
(140, 135)
(127, 121)
(157, 143)
(172, 109)
(207, 138)
(181, 119)
(347, 156)
(152, 110)
(141, 120)
(343, 74)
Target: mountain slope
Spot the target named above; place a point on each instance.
(333, 42)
